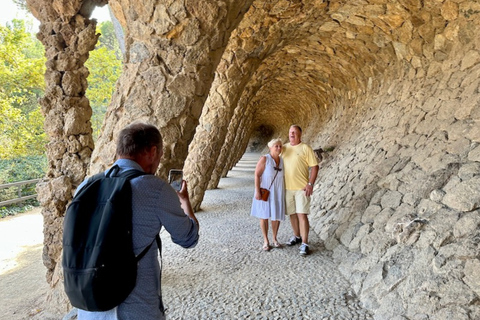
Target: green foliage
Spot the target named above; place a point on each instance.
(22, 138)
(105, 67)
(20, 169)
(21, 134)
(21, 207)
(22, 65)
(108, 38)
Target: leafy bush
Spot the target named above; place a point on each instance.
(22, 168)
(18, 208)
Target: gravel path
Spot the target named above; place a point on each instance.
(229, 276)
(22, 273)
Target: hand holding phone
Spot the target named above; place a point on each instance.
(175, 178)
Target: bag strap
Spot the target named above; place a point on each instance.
(277, 169)
(140, 256)
(113, 171)
(159, 245)
(130, 174)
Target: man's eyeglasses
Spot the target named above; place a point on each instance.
(277, 168)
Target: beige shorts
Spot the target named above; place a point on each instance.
(297, 202)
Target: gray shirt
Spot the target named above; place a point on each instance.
(154, 204)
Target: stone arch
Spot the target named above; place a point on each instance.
(260, 137)
(176, 46)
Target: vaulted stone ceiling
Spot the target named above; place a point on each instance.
(392, 85)
(304, 54)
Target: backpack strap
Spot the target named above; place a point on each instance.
(159, 244)
(144, 251)
(130, 174)
(89, 182)
(127, 174)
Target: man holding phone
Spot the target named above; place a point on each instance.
(154, 205)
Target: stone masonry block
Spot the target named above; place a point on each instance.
(465, 197)
(472, 275)
(391, 199)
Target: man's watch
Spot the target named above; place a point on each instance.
(310, 184)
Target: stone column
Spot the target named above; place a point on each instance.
(224, 152)
(235, 148)
(68, 37)
(241, 141)
(214, 122)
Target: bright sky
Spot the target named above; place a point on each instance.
(9, 11)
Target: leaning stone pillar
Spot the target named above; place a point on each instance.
(214, 122)
(240, 61)
(68, 37)
(240, 143)
(224, 151)
(241, 116)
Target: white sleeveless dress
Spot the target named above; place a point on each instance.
(274, 208)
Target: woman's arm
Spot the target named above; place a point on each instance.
(258, 176)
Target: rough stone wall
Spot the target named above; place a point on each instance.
(398, 200)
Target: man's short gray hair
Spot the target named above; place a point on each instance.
(296, 126)
(137, 138)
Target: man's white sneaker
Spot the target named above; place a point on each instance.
(304, 249)
(294, 240)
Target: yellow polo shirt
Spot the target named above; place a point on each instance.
(296, 160)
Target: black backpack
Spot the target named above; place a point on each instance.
(99, 265)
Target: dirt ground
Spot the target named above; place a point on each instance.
(22, 274)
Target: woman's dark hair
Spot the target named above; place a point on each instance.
(137, 138)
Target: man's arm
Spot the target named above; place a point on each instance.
(311, 180)
(179, 219)
(185, 202)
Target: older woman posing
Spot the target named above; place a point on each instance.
(269, 175)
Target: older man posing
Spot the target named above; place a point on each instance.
(298, 158)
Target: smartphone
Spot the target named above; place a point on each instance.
(175, 178)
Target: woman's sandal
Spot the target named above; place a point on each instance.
(277, 245)
(266, 247)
